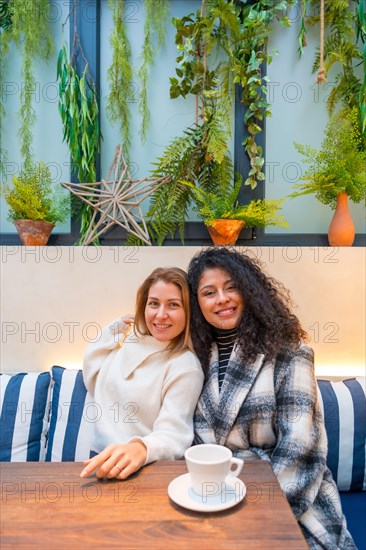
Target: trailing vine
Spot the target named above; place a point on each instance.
(155, 18)
(248, 56)
(5, 24)
(344, 45)
(120, 75)
(361, 35)
(302, 40)
(241, 31)
(26, 24)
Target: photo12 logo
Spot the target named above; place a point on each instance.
(222, 492)
(71, 491)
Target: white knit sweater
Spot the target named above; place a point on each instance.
(140, 393)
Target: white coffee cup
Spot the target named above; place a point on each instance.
(208, 466)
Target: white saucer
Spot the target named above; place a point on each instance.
(181, 492)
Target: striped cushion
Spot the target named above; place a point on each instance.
(344, 409)
(24, 410)
(73, 414)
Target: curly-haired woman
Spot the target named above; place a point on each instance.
(260, 392)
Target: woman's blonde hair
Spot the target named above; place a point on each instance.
(178, 277)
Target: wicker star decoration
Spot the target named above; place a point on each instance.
(117, 200)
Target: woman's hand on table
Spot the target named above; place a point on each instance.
(117, 461)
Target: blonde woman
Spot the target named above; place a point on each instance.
(146, 380)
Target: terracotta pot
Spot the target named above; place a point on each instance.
(34, 232)
(341, 231)
(225, 232)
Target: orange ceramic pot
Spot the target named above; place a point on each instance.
(34, 232)
(341, 231)
(225, 232)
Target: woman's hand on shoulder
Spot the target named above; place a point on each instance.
(117, 461)
(122, 324)
(128, 319)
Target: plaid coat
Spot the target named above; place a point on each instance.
(271, 408)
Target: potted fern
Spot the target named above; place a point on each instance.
(337, 172)
(33, 206)
(225, 217)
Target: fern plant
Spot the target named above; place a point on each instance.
(340, 165)
(201, 156)
(224, 205)
(31, 197)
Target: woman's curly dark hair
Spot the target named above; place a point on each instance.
(267, 324)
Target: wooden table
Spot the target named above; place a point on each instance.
(47, 505)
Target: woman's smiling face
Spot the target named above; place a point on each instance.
(219, 299)
(164, 311)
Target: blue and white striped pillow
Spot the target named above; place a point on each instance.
(24, 406)
(73, 414)
(344, 409)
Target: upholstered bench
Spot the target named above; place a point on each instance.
(344, 410)
(50, 417)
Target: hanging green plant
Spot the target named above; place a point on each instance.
(3, 153)
(120, 75)
(343, 47)
(26, 25)
(155, 20)
(241, 31)
(361, 35)
(5, 38)
(79, 111)
(248, 56)
(302, 40)
(120, 72)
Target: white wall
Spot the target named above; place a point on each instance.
(54, 298)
